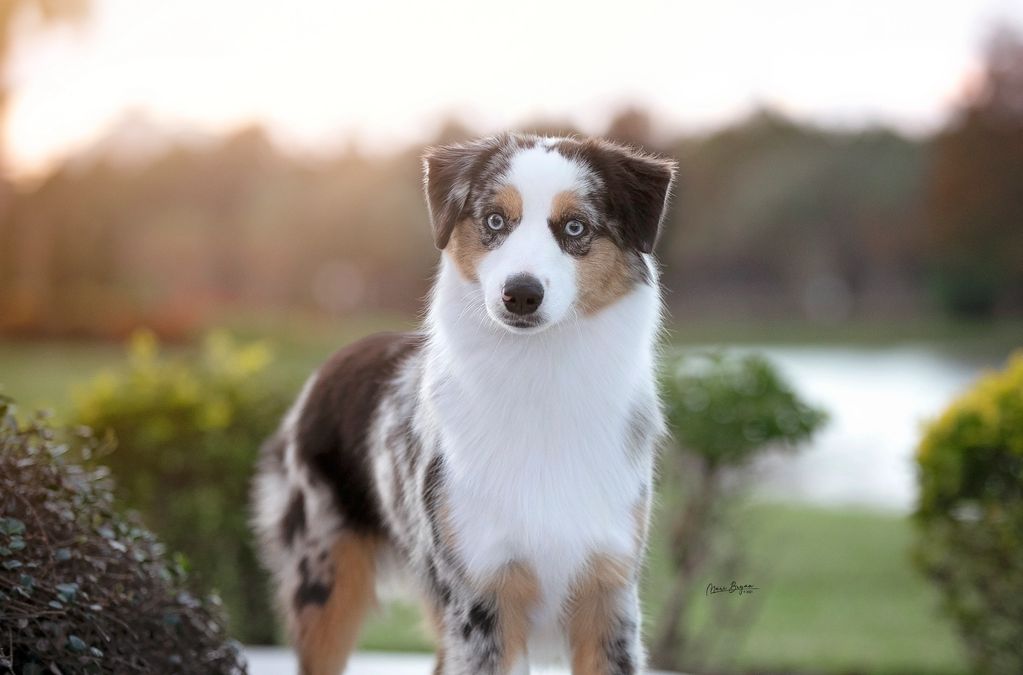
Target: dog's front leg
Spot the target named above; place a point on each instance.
(486, 633)
(603, 620)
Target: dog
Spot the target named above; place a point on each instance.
(503, 456)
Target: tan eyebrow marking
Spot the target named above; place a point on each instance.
(510, 201)
(566, 203)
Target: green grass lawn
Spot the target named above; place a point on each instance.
(837, 595)
(39, 375)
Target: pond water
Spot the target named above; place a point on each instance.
(877, 400)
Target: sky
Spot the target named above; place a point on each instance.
(319, 72)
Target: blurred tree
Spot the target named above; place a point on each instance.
(766, 207)
(632, 126)
(974, 210)
(766, 213)
(452, 131)
(723, 411)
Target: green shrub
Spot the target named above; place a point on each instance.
(970, 516)
(187, 433)
(727, 409)
(723, 410)
(83, 588)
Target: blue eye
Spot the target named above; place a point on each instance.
(495, 221)
(574, 228)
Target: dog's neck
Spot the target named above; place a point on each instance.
(601, 358)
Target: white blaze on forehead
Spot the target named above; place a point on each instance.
(539, 174)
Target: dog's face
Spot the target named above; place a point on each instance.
(548, 228)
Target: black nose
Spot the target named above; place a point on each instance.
(523, 294)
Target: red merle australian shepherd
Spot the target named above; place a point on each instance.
(501, 458)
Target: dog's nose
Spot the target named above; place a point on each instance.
(523, 294)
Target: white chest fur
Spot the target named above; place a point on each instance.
(534, 432)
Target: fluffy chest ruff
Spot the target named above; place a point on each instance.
(545, 442)
(503, 456)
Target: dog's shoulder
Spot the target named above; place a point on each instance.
(336, 411)
(348, 387)
(368, 361)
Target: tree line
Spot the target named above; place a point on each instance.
(772, 219)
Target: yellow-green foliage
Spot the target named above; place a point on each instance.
(971, 456)
(204, 394)
(970, 513)
(187, 432)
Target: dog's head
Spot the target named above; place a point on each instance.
(548, 227)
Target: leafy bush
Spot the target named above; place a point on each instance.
(727, 409)
(970, 514)
(723, 411)
(82, 588)
(187, 434)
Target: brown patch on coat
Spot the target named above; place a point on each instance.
(508, 199)
(516, 592)
(466, 248)
(325, 634)
(591, 613)
(565, 205)
(604, 276)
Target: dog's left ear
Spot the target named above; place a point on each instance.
(448, 172)
(637, 188)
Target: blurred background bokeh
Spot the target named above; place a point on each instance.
(237, 185)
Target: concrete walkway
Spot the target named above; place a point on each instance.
(280, 661)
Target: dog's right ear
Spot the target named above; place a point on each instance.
(448, 172)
